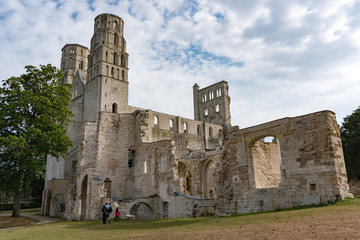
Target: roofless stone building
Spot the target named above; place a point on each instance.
(157, 165)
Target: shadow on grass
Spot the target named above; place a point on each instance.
(132, 225)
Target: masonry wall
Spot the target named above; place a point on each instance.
(309, 164)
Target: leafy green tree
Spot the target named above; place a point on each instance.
(350, 136)
(34, 113)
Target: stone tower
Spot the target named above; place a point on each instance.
(74, 65)
(107, 73)
(212, 104)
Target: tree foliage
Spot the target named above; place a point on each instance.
(350, 136)
(34, 113)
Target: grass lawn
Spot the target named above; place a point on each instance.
(336, 221)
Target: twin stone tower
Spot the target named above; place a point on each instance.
(154, 165)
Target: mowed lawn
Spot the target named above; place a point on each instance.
(336, 221)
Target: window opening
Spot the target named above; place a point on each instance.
(171, 124)
(156, 121)
(266, 156)
(114, 108)
(211, 95)
(206, 112)
(185, 127)
(210, 132)
(107, 187)
(217, 108)
(198, 130)
(72, 50)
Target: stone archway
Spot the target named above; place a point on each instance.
(207, 179)
(83, 198)
(142, 211)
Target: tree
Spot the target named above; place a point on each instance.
(34, 113)
(350, 137)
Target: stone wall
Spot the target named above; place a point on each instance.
(310, 162)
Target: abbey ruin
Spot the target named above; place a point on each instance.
(155, 165)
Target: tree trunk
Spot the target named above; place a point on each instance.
(16, 203)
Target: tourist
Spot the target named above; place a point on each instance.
(108, 210)
(105, 213)
(117, 214)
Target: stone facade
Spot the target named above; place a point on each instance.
(155, 165)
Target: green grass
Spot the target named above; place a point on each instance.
(198, 228)
(29, 210)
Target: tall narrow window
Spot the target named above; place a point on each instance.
(112, 71)
(206, 112)
(217, 108)
(106, 55)
(211, 95)
(218, 92)
(156, 121)
(114, 108)
(210, 132)
(72, 50)
(146, 166)
(115, 58)
(198, 130)
(115, 39)
(107, 70)
(185, 127)
(81, 64)
(115, 25)
(171, 124)
(123, 75)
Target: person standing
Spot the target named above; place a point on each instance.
(104, 213)
(109, 210)
(117, 214)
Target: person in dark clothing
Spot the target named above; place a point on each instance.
(105, 213)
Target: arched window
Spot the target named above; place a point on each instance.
(217, 108)
(112, 71)
(210, 132)
(115, 38)
(185, 127)
(123, 75)
(198, 130)
(205, 97)
(72, 50)
(115, 58)
(115, 25)
(206, 112)
(114, 108)
(211, 95)
(106, 55)
(171, 124)
(146, 166)
(81, 64)
(218, 92)
(156, 121)
(107, 70)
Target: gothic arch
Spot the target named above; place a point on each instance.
(207, 179)
(83, 197)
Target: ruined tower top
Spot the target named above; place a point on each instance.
(212, 104)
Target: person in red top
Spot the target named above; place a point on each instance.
(117, 214)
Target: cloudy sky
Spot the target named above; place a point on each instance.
(280, 58)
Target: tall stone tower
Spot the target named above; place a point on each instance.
(74, 65)
(212, 104)
(107, 73)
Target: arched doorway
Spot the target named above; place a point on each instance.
(207, 179)
(83, 200)
(142, 211)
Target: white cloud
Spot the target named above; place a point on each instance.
(281, 58)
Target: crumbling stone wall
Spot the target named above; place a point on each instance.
(309, 165)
